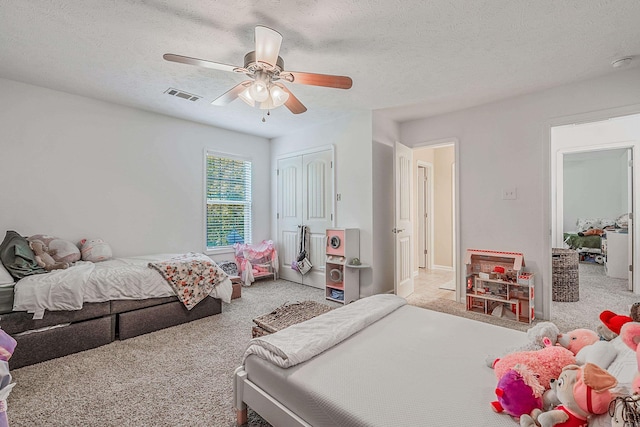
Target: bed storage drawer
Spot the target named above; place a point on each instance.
(20, 321)
(49, 344)
(138, 322)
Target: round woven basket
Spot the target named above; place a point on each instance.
(566, 287)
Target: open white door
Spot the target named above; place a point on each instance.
(402, 166)
(630, 196)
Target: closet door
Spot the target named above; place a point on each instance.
(317, 210)
(305, 197)
(289, 214)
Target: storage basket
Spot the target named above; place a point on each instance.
(566, 283)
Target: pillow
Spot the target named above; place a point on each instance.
(583, 224)
(5, 276)
(623, 221)
(17, 256)
(65, 250)
(94, 250)
(605, 222)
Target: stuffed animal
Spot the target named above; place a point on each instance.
(546, 364)
(635, 312)
(585, 344)
(536, 335)
(611, 324)
(630, 334)
(582, 391)
(44, 257)
(7, 346)
(519, 392)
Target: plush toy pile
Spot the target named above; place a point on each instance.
(562, 379)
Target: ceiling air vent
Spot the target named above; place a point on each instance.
(181, 94)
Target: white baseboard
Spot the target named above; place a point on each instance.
(442, 267)
(416, 273)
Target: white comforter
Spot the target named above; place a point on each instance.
(115, 279)
(301, 342)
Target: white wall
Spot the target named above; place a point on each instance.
(506, 144)
(595, 186)
(351, 137)
(76, 167)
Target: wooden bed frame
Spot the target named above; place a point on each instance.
(95, 325)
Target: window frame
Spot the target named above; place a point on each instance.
(205, 200)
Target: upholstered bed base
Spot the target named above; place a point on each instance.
(61, 333)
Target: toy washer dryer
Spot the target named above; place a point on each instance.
(342, 280)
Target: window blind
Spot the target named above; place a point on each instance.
(228, 201)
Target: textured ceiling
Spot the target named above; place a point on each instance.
(409, 58)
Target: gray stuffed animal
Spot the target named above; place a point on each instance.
(536, 335)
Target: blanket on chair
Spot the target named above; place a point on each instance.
(192, 276)
(299, 343)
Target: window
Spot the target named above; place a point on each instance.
(228, 201)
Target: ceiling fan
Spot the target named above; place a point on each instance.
(266, 71)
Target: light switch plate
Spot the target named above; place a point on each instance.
(509, 193)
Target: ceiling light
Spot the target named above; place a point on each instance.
(245, 95)
(278, 95)
(621, 62)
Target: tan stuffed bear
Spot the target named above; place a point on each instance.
(43, 256)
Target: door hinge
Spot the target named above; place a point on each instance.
(631, 216)
(425, 251)
(278, 172)
(331, 217)
(331, 164)
(631, 163)
(278, 216)
(631, 268)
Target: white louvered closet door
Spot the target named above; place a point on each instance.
(305, 197)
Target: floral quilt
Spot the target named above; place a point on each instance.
(192, 276)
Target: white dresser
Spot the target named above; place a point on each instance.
(616, 262)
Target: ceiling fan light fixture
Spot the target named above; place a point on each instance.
(277, 95)
(245, 95)
(259, 89)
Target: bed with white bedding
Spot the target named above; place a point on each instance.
(409, 367)
(92, 304)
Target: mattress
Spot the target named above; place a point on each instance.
(413, 367)
(85, 282)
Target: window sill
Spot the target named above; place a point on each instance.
(220, 251)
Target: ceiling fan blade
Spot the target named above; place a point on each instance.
(199, 62)
(293, 104)
(231, 94)
(326, 80)
(267, 45)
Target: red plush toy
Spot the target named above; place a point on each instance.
(613, 321)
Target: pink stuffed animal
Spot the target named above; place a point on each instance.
(546, 363)
(586, 345)
(630, 333)
(582, 391)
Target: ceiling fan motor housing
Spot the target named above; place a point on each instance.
(251, 64)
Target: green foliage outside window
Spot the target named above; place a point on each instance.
(228, 201)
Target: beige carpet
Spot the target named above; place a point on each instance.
(181, 376)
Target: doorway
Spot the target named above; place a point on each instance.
(592, 183)
(434, 206)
